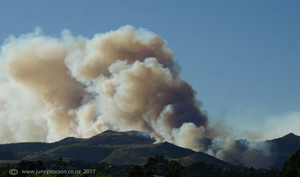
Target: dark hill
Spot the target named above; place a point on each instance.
(200, 156)
(120, 138)
(283, 147)
(286, 144)
(130, 147)
(140, 154)
(110, 137)
(69, 140)
(280, 148)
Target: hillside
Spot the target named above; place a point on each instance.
(130, 147)
(283, 147)
(140, 154)
(120, 138)
(110, 137)
(199, 156)
(280, 148)
(286, 144)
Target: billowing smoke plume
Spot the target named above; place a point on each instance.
(51, 88)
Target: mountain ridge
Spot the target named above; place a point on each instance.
(131, 147)
(134, 147)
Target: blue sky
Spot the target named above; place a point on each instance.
(242, 57)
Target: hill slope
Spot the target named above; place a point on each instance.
(140, 154)
(283, 147)
(199, 156)
(130, 147)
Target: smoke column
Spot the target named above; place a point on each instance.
(52, 88)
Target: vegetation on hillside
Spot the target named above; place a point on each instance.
(158, 166)
(121, 148)
(291, 166)
(131, 159)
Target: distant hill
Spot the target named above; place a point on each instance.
(280, 148)
(286, 144)
(130, 147)
(120, 138)
(199, 156)
(110, 137)
(283, 147)
(140, 154)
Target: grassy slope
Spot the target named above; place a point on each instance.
(199, 156)
(139, 154)
(116, 154)
(133, 148)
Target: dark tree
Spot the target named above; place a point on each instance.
(200, 169)
(4, 171)
(291, 166)
(161, 159)
(150, 167)
(174, 169)
(59, 164)
(135, 171)
(31, 165)
(40, 165)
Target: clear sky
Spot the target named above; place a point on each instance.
(242, 57)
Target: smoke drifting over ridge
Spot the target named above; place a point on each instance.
(51, 88)
(122, 80)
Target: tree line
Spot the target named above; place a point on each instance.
(158, 165)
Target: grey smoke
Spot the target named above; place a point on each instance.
(52, 88)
